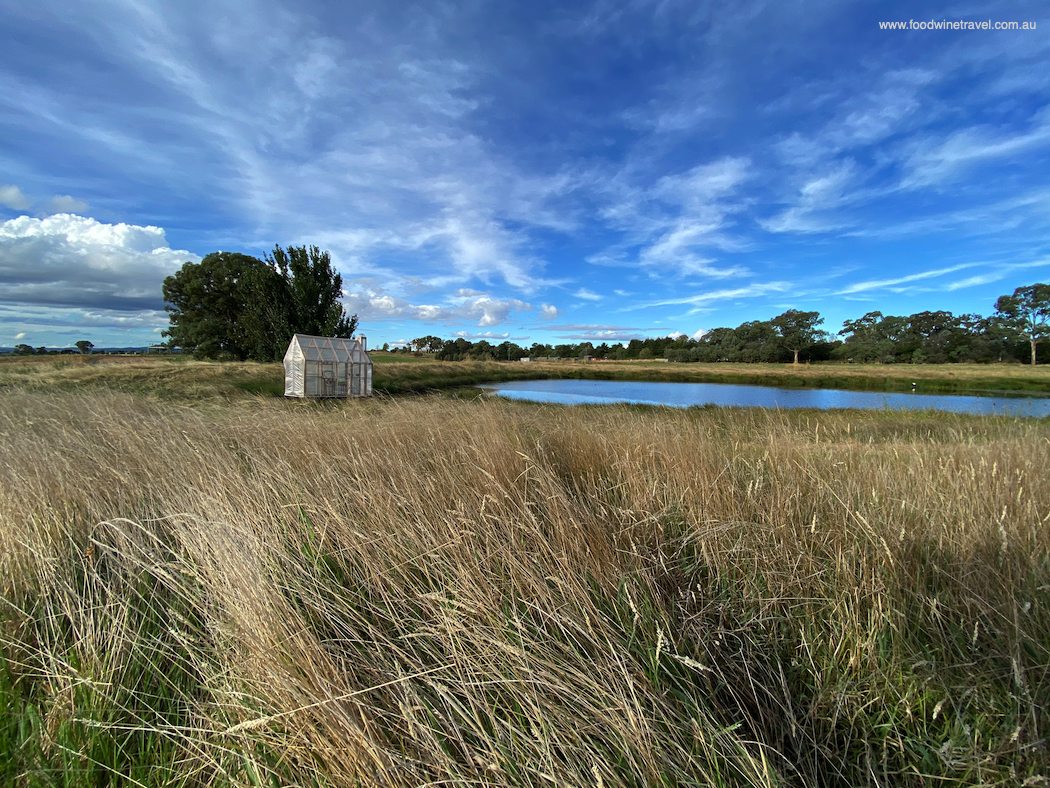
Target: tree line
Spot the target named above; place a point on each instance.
(238, 307)
(1012, 333)
(83, 347)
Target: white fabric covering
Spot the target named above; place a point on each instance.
(327, 367)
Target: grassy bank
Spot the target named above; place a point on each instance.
(426, 590)
(930, 378)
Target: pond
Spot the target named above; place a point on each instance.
(683, 395)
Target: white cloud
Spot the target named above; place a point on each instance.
(894, 284)
(487, 311)
(603, 336)
(672, 225)
(73, 261)
(63, 203)
(758, 289)
(815, 199)
(20, 335)
(587, 295)
(12, 197)
(548, 312)
(934, 162)
(483, 335)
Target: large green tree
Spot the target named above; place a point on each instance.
(1027, 312)
(798, 330)
(237, 306)
(207, 303)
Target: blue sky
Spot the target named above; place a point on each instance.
(529, 171)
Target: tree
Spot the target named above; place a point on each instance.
(315, 291)
(1026, 312)
(237, 306)
(207, 304)
(84, 346)
(798, 329)
(296, 292)
(24, 350)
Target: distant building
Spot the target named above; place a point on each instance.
(327, 367)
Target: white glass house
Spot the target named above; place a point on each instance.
(327, 367)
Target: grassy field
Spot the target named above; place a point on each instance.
(176, 377)
(216, 587)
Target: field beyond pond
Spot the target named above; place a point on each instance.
(174, 376)
(206, 585)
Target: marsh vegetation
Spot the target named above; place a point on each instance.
(220, 588)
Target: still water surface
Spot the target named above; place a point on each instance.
(682, 395)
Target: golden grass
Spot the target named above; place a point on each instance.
(439, 591)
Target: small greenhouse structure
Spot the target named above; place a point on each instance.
(327, 367)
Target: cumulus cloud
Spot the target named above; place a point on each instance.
(73, 261)
(12, 197)
(548, 312)
(63, 203)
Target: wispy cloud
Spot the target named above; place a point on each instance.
(587, 295)
(676, 223)
(748, 291)
(935, 161)
(816, 199)
(895, 283)
(485, 335)
(487, 311)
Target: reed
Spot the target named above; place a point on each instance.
(434, 590)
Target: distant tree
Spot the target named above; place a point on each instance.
(42, 351)
(427, 344)
(867, 339)
(798, 330)
(1026, 312)
(483, 351)
(84, 346)
(455, 351)
(24, 350)
(510, 351)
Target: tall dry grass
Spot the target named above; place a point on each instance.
(439, 591)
